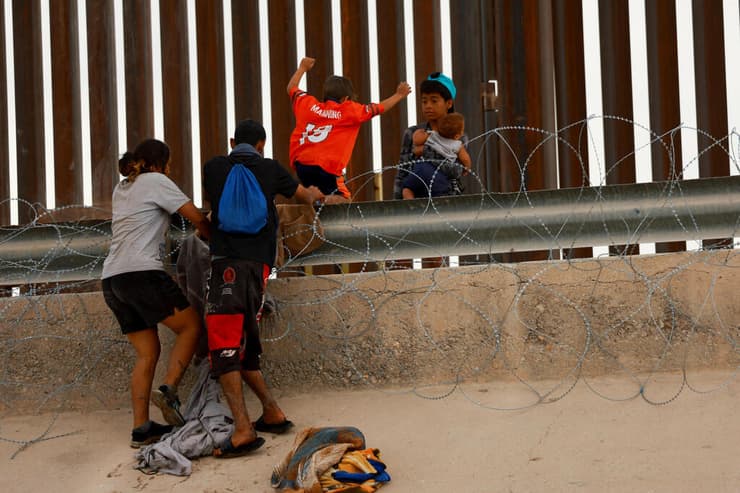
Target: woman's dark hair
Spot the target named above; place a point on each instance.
(150, 155)
(337, 88)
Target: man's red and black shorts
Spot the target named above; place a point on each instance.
(235, 295)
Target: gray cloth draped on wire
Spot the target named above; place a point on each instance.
(192, 270)
(208, 421)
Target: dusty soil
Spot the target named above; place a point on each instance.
(601, 435)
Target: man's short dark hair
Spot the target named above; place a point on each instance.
(249, 132)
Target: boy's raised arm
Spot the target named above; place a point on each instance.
(403, 90)
(303, 67)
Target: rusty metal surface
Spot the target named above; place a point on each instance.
(4, 162)
(570, 98)
(392, 66)
(29, 106)
(427, 46)
(65, 75)
(319, 44)
(711, 94)
(245, 25)
(103, 106)
(616, 90)
(176, 94)
(356, 63)
(282, 66)
(137, 40)
(211, 83)
(664, 100)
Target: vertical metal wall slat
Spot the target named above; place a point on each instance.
(137, 41)
(427, 44)
(211, 83)
(510, 67)
(616, 88)
(473, 44)
(173, 16)
(664, 99)
(525, 68)
(4, 160)
(392, 68)
(546, 175)
(282, 66)
(245, 25)
(711, 94)
(29, 105)
(490, 117)
(356, 63)
(468, 74)
(570, 94)
(65, 69)
(282, 46)
(318, 44)
(103, 103)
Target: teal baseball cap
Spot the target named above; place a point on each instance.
(445, 81)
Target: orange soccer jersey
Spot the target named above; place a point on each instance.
(325, 132)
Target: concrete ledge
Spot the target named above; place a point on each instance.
(536, 323)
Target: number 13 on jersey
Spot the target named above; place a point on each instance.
(315, 134)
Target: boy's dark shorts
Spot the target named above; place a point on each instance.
(140, 300)
(424, 179)
(235, 295)
(312, 174)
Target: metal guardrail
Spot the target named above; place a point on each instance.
(461, 225)
(535, 220)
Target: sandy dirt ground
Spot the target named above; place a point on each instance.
(595, 438)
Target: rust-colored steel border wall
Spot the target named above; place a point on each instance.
(534, 48)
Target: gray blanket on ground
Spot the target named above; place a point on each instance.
(208, 422)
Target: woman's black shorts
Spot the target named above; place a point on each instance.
(140, 300)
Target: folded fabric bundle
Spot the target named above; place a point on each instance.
(358, 471)
(318, 453)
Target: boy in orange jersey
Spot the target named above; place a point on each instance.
(325, 132)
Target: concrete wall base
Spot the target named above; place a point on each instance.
(533, 322)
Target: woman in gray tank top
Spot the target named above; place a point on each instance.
(139, 291)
